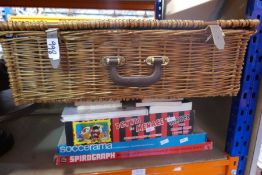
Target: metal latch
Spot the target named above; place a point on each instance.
(151, 59)
(119, 60)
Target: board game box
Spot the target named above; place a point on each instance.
(159, 142)
(83, 158)
(129, 128)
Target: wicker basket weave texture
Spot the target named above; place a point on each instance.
(196, 68)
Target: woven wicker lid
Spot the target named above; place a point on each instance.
(126, 24)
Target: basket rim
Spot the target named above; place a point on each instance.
(142, 24)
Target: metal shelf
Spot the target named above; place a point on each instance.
(244, 105)
(90, 4)
(204, 163)
(35, 148)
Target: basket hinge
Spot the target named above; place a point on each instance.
(53, 47)
(217, 35)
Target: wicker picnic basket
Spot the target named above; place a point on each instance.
(124, 59)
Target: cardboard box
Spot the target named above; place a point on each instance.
(129, 128)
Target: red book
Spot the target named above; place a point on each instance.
(75, 159)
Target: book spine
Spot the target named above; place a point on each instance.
(184, 107)
(59, 160)
(170, 141)
(75, 159)
(171, 150)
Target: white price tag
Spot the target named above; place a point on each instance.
(53, 47)
(150, 129)
(234, 172)
(178, 168)
(139, 172)
(162, 142)
(171, 119)
(217, 35)
(184, 140)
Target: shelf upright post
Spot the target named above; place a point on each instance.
(244, 104)
(6, 12)
(159, 9)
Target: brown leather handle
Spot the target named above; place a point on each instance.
(141, 81)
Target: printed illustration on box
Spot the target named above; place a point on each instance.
(92, 131)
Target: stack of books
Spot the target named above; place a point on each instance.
(116, 131)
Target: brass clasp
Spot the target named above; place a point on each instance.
(151, 59)
(119, 60)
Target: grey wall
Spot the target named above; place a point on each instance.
(205, 10)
